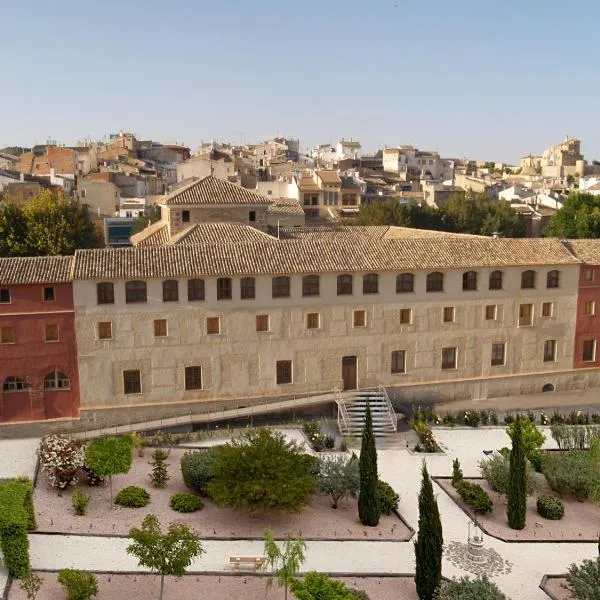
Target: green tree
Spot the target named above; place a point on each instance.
(13, 230)
(579, 217)
(584, 580)
(338, 477)
(159, 475)
(150, 216)
(532, 437)
(430, 542)
(260, 470)
(517, 483)
(368, 506)
(80, 585)
(316, 586)
(109, 456)
(391, 212)
(283, 562)
(169, 553)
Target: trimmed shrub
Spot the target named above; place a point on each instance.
(472, 418)
(79, 585)
(584, 580)
(495, 470)
(386, 496)
(449, 419)
(457, 474)
(550, 507)
(132, 497)
(315, 586)
(475, 497)
(197, 469)
(464, 588)
(80, 502)
(186, 503)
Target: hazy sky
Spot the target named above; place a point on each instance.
(488, 80)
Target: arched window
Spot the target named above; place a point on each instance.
(310, 285)
(344, 285)
(435, 282)
(527, 280)
(370, 283)
(469, 281)
(56, 380)
(105, 292)
(15, 384)
(405, 282)
(170, 290)
(552, 279)
(135, 291)
(496, 280)
(548, 387)
(281, 287)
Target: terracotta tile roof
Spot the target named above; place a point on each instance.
(287, 206)
(317, 256)
(153, 235)
(36, 269)
(329, 176)
(409, 232)
(212, 190)
(587, 250)
(333, 233)
(219, 233)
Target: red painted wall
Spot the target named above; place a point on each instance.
(587, 327)
(32, 358)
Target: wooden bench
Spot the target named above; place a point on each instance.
(250, 561)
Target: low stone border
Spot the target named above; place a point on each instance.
(545, 579)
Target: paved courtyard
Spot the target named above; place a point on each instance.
(517, 567)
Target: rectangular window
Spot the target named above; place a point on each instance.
(589, 350)
(280, 287)
(589, 308)
(310, 285)
(312, 321)
(398, 361)
(105, 330)
(498, 353)
(213, 325)
(549, 350)
(405, 316)
(359, 318)
(185, 216)
(224, 288)
(193, 378)
(247, 288)
(490, 312)
(449, 358)
(284, 371)
(448, 314)
(49, 294)
(252, 216)
(7, 335)
(51, 332)
(160, 328)
(589, 274)
(344, 285)
(262, 322)
(195, 289)
(132, 382)
(547, 309)
(4, 295)
(105, 293)
(135, 291)
(525, 315)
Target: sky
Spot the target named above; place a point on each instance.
(484, 80)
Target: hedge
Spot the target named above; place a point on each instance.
(17, 516)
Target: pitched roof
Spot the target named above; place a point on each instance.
(586, 250)
(153, 235)
(219, 233)
(286, 205)
(317, 256)
(212, 190)
(329, 176)
(364, 232)
(36, 269)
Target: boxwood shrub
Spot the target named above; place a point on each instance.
(132, 497)
(197, 469)
(475, 497)
(550, 507)
(386, 496)
(186, 503)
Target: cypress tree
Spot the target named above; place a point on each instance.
(368, 506)
(517, 481)
(430, 542)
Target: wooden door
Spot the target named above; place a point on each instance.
(349, 374)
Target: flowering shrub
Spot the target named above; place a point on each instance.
(544, 418)
(426, 437)
(60, 458)
(472, 418)
(315, 436)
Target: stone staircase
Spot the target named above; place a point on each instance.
(351, 412)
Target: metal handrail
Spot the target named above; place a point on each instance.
(388, 402)
(343, 413)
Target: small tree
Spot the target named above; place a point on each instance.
(159, 475)
(168, 553)
(430, 542)
(457, 474)
(368, 507)
(260, 470)
(338, 477)
(517, 482)
(584, 580)
(109, 456)
(283, 563)
(80, 585)
(31, 584)
(532, 437)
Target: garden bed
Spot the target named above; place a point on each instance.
(556, 588)
(212, 587)
(55, 513)
(580, 523)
